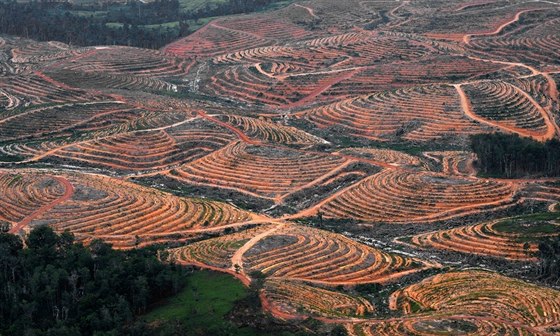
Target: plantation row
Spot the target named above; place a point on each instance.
(28, 51)
(101, 120)
(534, 42)
(383, 155)
(102, 80)
(19, 90)
(442, 324)
(215, 252)
(23, 194)
(437, 22)
(248, 84)
(122, 213)
(348, 50)
(300, 253)
(40, 121)
(316, 256)
(147, 150)
(421, 113)
(262, 171)
(482, 239)
(125, 60)
(453, 162)
(269, 27)
(270, 131)
(213, 40)
(430, 70)
(508, 105)
(293, 297)
(398, 197)
(465, 292)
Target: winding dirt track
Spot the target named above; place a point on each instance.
(468, 110)
(68, 192)
(467, 38)
(237, 258)
(242, 136)
(309, 10)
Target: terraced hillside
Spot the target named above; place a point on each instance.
(320, 153)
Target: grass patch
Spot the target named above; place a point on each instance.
(195, 5)
(203, 305)
(529, 225)
(206, 299)
(11, 158)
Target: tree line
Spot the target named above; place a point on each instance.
(56, 286)
(510, 156)
(549, 255)
(111, 24)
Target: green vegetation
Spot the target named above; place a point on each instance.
(202, 306)
(549, 255)
(530, 225)
(11, 158)
(56, 286)
(199, 5)
(507, 155)
(150, 24)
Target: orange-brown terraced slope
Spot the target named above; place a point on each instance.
(506, 106)
(321, 257)
(465, 292)
(24, 194)
(442, 324)
(124, 213)
(263, 171)
(216, 252)
(421, 113)
(510, 238)
(383, 155)
(453, 162)
(291, 252)
(398, 197)
(270, 131)
(214, 39)
(478, 239)
(19, 90)
(41, 121)
(292, 297)
(144, 151)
